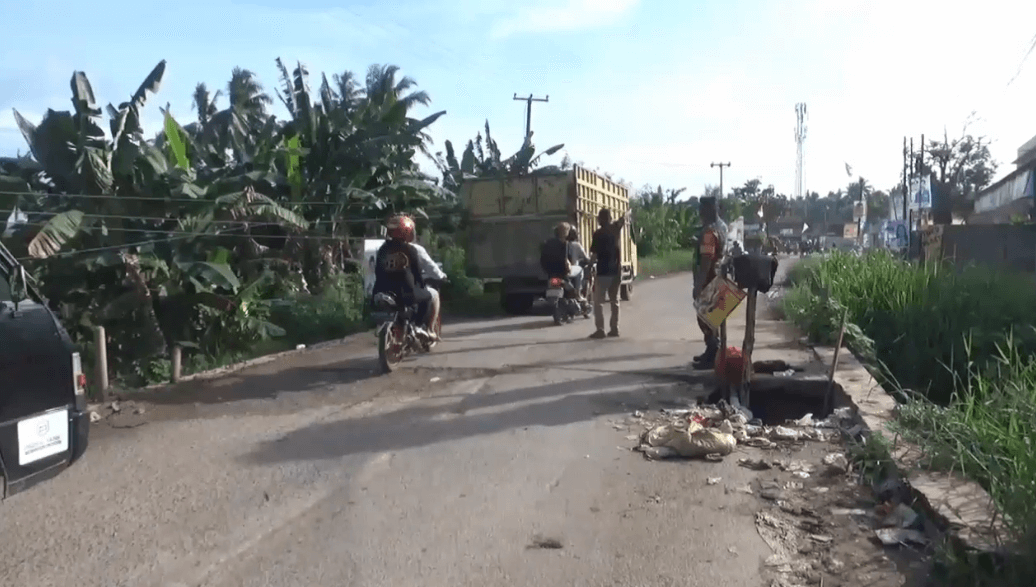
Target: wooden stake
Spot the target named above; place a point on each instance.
(177, 363)
(101, 367)
(748, 346)
(834, 366)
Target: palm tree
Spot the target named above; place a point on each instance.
(247, 97)
(205, 104)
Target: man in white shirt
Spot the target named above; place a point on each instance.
(430, 270)
(576, 256)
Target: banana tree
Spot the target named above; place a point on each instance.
(482, 158)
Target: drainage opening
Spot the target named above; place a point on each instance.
(775, 400)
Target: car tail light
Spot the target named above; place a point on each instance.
(555, 282)
(78, 377)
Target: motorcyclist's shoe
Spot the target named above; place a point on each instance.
(613, 334)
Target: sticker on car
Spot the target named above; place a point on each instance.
(42, 436)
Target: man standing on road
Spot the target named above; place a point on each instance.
(606, 251)
(711, 243)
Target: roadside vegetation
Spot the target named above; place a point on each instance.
(235, 233)
(956, 347)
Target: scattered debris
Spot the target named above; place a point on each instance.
(435, 379)
(300, 347)
(714, 431)
(900, 536)
(788, 373)
(901, 516)
(713, 480)
(115, 407)
(94, 416)
(837, 461)
(754, 464)
(542, 543)
(849, 512)
(782, 433)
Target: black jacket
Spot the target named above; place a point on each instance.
(397, 270)
(553, 255)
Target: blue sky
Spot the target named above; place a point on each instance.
(651, 90)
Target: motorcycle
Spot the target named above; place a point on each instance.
(590, 271)
(398, 335)
(565, 305)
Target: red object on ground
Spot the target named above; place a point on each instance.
(730, 365)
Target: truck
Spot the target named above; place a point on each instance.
(44, 423)
(511, 217)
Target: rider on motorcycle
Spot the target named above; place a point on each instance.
(579, 261)
(554, 255)
(397, 271)
(431, 272)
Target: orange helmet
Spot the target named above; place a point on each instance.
(401, 227)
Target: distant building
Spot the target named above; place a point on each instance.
(1012, 196)
(787, 228)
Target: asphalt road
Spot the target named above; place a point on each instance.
(456, 471)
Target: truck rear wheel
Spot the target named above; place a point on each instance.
(516, 304)
(626, 292)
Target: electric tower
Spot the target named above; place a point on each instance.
(800, 140)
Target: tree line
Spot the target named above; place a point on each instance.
(665, 219)
(192, 236)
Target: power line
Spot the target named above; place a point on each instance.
(107, 248)
(188, 234)
(244, 222)
(158, 199)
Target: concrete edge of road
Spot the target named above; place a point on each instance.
(960, 505)
(234, 367)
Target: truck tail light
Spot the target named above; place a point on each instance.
(78, 377)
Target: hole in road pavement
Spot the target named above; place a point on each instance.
(775, 400)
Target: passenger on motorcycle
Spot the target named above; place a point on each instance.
(579, 260)
(554, 256)
(397, 271)
(430, 271)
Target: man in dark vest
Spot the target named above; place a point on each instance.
(606, 251)
(711, 244)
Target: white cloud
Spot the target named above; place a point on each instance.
(571, 15)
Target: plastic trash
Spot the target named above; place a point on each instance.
(784, 433)
(902, 516)
(694, 441)
(806, 420)
(898, 536)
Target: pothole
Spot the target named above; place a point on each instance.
(776, 400)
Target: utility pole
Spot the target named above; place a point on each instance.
(906, 186)
(721, 166)
(528, 111)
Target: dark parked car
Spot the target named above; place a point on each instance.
(44, 425)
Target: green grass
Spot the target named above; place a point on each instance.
(963, 341)
(667, 262)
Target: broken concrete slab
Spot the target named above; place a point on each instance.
(958, 504)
